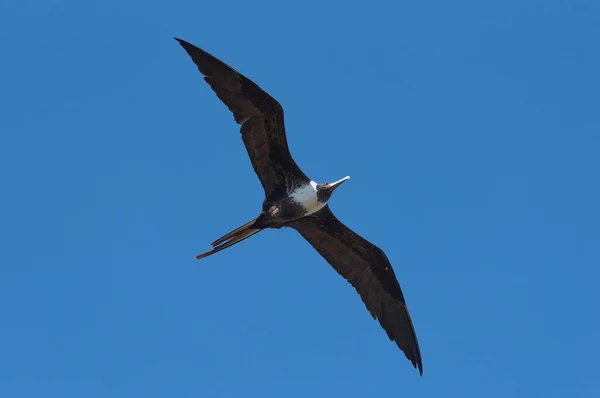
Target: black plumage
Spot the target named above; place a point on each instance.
(364, 265)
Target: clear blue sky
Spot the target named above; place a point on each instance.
(471, 131)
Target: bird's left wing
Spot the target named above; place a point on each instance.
(260, 117)
(369, 271)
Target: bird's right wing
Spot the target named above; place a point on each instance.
(260, 117)
(368, 269)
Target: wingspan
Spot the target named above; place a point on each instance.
(368, 269)
(260, 117)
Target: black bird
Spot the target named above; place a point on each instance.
(294, 200)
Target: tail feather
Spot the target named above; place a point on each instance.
(235, 236)
(233, 233)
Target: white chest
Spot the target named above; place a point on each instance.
(306, 196)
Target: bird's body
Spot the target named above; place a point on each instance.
(299, 201)
(294, 200)
(307, 197)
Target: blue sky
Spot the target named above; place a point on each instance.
(471, 132)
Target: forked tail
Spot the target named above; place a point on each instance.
(235, 236)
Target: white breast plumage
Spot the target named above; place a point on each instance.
(306, 196)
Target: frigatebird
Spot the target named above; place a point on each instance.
(294, 200)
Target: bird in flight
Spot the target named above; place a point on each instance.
(294, 200)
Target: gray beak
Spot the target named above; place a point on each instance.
(336, 184)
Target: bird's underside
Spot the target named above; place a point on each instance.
(291, 202)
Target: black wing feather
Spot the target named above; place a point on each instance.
(260, 117)
(368, 269)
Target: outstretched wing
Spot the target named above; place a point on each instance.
(368, 269)
(260, 117)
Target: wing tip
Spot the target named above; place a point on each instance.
(415, 357)
(187, 46)
(419, 365)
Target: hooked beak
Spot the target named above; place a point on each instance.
(336, 184)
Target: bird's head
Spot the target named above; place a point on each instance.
(325, 189)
